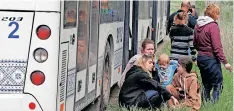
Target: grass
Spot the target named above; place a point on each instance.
(226, 27)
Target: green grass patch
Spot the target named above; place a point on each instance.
(226, 27)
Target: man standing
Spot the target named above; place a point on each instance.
(185, 7)
(193, 16)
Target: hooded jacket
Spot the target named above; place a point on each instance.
(131, 62)
(191, 89)
(207, 39)
(136, 83)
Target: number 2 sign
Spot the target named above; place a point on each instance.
(11, 35)
(13, 23)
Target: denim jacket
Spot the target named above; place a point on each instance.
(166, 76)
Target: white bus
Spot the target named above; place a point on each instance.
(148, 19)
(61, 55)
(163, 12)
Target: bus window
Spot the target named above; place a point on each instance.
(144, 9)
(94, 33)
(70, 8)
(112, 11)
(83, 35)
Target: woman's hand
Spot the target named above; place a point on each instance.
(228, 67)
(175, 101)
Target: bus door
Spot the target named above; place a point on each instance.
(68, 49)
(88, 22)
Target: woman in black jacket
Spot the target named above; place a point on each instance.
(140, 89)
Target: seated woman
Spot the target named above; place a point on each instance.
(140, 90)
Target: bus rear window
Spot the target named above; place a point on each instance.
(70, 8)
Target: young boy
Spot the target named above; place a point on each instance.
(166, 69)
(185, 86)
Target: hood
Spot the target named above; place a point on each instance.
(192, 74)
(202, 21)
(133, 70)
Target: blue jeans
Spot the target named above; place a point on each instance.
(151, 93)
(212, 78)
(217, 89)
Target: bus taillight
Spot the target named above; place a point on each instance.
(32, 105)
(43, 32)
(37, 78)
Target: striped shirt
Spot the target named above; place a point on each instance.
(182, 41)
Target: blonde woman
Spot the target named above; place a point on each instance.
(140, 90)
(207, 41)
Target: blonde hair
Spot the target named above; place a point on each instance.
(212, 11)
(142, 60)
(163, 58)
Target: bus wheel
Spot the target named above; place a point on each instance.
(106, 79)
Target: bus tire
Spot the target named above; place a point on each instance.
(106, 78)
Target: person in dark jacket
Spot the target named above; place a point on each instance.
(193, 16)
(185, 6)
(181, 38)
(140, 89)
(210, 52)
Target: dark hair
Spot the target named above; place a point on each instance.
(185, 4)
(181, 15)
(145, 42)
(186, 62)
(193, 6)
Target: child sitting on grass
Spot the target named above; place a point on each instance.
(185, 86)
(166, 69)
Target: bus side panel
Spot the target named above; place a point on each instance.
(62, 77)
(46, 92)
(142, 31)
(42, 5)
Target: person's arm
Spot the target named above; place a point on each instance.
(216, 43)
(192, 48)
(169, 24)
(150, 83)
(127, 68)
(192, 21)
(194, 99)
(195, 38)
(217, 46)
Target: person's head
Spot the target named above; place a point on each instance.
(181, 18)
(81, 44)
(147, 47)
(213, 11)
(146, 62)
(104, 4)
(82, 15)
(185, 5)
(163, 61)
(192, 8)
(185, 65)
